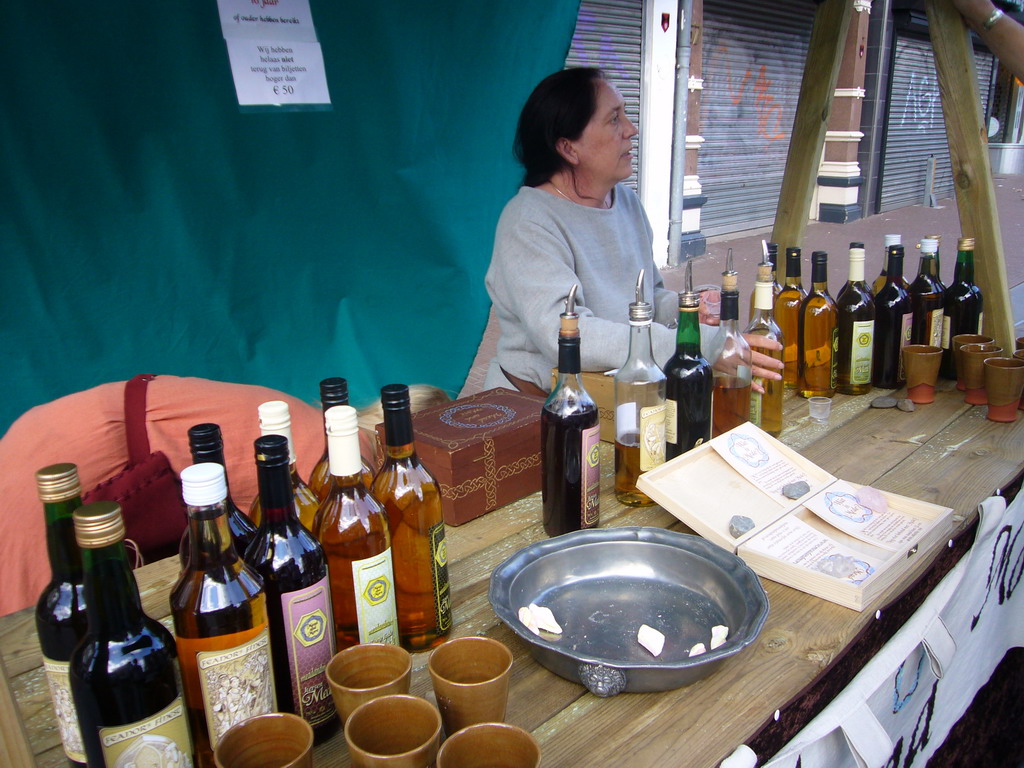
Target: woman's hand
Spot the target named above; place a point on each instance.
(764, 366)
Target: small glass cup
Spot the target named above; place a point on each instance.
(820, 408)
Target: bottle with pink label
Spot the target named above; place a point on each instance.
(295, 579)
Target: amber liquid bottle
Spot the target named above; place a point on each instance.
(892, 325)
(639, 406)
(206, 445)
(411, 496)
(688, 380)
(333, 391)
(856, 327)
(731, 362)
(220, 619)
(61, 620)
(766, 408)
(275, 419)
(570, 459)
(293, 567)
(772, 258)
(818, 334)
(927, 297)
(963, 310)
(124, 674)
(787, 316)
(352, 527)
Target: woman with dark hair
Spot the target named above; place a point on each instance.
(573, 222)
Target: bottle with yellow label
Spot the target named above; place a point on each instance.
(220, 619)
(124, 675)
(61, 621)
(412, 498)
(352, 527)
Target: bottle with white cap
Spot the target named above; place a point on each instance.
(880, 280)
(276, 419)
(352, 527)
(927, 296)
(220, 619)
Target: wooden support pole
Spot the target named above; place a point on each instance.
(821, 73)
(972, 173)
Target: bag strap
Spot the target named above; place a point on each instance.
(135, 417)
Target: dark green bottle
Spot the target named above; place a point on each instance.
(61, 621)
(124, 675)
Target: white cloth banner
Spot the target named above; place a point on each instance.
(901, 706)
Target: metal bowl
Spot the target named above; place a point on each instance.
(602, 584)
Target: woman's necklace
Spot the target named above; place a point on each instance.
(603, 204)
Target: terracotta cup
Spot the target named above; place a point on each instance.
(490, 745)
(958, 341)
(365, 672)
(470, 677)
(275, 740)
(1019, 355)
(1004, 380)
(972, 357)
(396, 731)
(921, 363)
(1019, 341)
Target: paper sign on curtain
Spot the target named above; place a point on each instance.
(275, 56)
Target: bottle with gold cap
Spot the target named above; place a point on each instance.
(220, 619)
(766, 407)
(296, 582)
(333, 391)
(276, 419)
(570, 460)
(124, 675)
(60, 612)
(352, 527)
(963, 308)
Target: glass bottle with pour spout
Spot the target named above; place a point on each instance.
(639, 406)
(570, 460)
(689, 380)
(766, 407)
(731, 361)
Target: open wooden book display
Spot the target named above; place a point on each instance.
(832, 541)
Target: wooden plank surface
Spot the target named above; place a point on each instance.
(972, 173)
(946, 452)
(821, 73)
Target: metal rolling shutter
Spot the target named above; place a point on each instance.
(754, 55)
(915, 128)
(609, 35)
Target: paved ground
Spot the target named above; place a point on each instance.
(913, 223)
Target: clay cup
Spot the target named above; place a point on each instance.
(396, 731)
(921, 363)
(1004, 380)
(973, 358)
(958, 341)
(470, 677)
(490, 745)
(365, 672)
(275, 740)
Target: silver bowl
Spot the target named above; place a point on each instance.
(602, 584)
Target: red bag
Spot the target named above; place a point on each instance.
(147, 489)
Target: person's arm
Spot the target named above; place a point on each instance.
(1003, 35)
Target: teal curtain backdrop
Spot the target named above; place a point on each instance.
(148, 225)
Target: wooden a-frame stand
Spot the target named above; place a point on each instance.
(965, 132)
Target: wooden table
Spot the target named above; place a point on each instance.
(946, 452)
